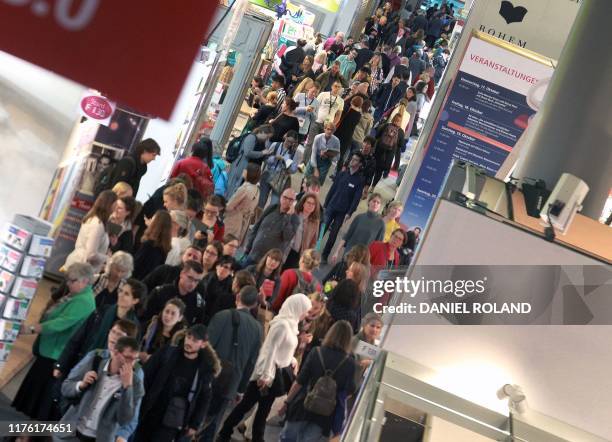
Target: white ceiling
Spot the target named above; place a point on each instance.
(565, 371)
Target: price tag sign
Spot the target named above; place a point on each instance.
(367, 351)
(136, 52)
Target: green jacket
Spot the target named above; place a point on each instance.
(59, 325)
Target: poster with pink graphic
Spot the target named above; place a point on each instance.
(484, 114)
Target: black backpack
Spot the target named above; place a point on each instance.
(105, 179)
(321, 398)
(233, 147)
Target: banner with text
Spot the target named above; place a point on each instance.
(484, 114)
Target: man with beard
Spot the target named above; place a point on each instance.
(178, 388)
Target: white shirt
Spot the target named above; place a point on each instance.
(329, 106)
(106, 386)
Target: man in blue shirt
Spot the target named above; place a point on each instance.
(342, 200)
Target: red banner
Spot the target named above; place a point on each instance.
(137, 52)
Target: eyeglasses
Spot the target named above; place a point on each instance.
(192, 279)
(210, 253)
(287, 198)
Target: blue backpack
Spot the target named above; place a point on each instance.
(219, 175)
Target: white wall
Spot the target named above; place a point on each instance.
(443, 431)
(37, 112)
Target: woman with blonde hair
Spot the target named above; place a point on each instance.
(92, 242)
(175, 197)
(301, 277)
(242, 204)
(303, 87)
(156, 243)
(320, 63)
(123, 190)
(377, 75)
(391, 214)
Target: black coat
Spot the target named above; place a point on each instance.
(387, 96)
(218, 295)
(158, 371)
(364, 55)
(130, 170)
(147, 258)
(194, 301)
(163, 274)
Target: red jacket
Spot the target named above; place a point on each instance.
(289, 281)
(379, 251)
(198, 171)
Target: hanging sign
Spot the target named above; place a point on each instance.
(120, 47)
(98, 108)
(484, 114)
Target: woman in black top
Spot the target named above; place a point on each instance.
(333, 355)
(344, 303)
(156, 243)
(286, 121)
(267, 271)
(163, 328)
(123, 215)
(346, 127)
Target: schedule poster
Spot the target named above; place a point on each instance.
(484, 114)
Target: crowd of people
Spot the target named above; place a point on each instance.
(179, 316)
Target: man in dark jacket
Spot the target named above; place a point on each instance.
(420, 22)
(240, 349)
(178, 388)
(364, 54)
(131, 168)
(274, 230)
(186, 289)
(342, 200)
(291, 61)
(389, 94)
(328, 78)
(167, 274)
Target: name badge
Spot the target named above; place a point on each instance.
(351, 185)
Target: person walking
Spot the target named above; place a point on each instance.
(388, 95)
(307, 109)
(325, 148)
(131, 168)
(278, 168)
(308, 423)
(389, 140)
(329, 110)
(178, 388)
(274, 365)
(109, 395)
(236, 337)
(309, 212)
(241, 206)
(346, 129)
(365, 228)
(252, 149)
(197, 169)
(275, 229)
(342, 200)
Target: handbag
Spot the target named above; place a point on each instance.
(283, 378)
(175, 414)
(281, 181)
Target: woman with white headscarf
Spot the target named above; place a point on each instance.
(272, 375)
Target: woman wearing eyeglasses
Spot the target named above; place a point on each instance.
(385, 254)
